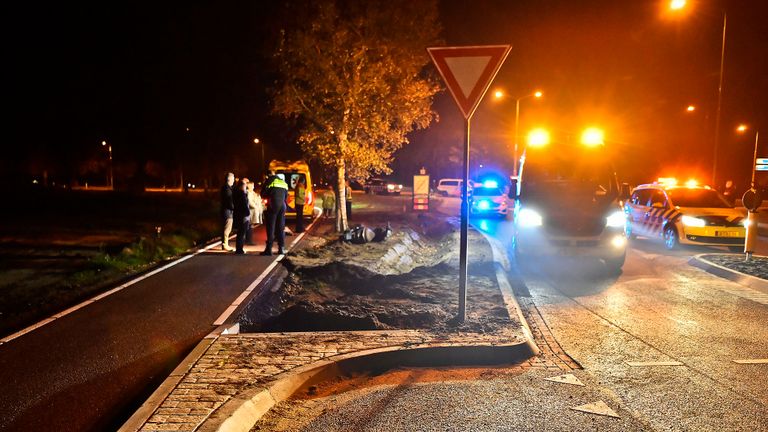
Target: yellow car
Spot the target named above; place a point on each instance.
(689, 214)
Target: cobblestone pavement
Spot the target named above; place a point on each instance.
(234, 363)
(757, 267)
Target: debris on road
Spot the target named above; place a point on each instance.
(409, 281)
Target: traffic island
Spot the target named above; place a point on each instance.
(346, 309)
(752, 273)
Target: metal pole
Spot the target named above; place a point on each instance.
(517, 124)
(263, 162)
(754, 159)
(111, 172)
(719, 104)
(751, 235)
(464, 231)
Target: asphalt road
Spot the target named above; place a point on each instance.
(660, 309)
(92, 368)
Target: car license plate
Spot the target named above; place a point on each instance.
(727, 234)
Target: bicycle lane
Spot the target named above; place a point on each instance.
(90, 369)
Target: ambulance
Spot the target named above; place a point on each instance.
(293, 171)
(684, 214)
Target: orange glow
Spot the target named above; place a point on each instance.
(538, 137)
(677, 4)
(691, 108)
(667, 181)
(742, 128)
(593, 137)
(691, 183)
(498, 94)
(538, 94)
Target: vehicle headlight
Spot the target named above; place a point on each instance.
(483, 205)
(390, 187)
(616, 219)
(693, 221)
(746, 223)
(529, 218)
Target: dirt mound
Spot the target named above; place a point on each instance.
(408, 282)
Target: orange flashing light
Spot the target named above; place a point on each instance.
(691, 183)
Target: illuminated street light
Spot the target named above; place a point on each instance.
(537, 94)
(742, 128)
(676, 6)
(690, 108)
(263, 162)
(498, 94)
(593, 137)
(111, 176)
(538, 137)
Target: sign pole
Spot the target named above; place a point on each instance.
(467, 72)
(464, 229)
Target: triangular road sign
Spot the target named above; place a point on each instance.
(468, 71)
(566, 379)
(599, 408)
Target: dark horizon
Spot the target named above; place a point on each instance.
(138, 75)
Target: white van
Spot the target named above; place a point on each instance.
(449, 187)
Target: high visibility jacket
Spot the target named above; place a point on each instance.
(300, 195)
(275, 192)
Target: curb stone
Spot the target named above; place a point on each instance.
(244, 407)
(729, 274)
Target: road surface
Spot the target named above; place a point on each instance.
(660, 309)
(91, 369)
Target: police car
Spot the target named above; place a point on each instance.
(684, 214)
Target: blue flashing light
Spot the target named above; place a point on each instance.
(490, 184)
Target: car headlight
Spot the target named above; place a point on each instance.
(483, 204)
(390, 187)
(529, 218)
(616, 219)
(693, 222)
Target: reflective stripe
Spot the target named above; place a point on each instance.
(278, 183)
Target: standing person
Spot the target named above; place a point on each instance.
(329, 203)
(241, 221)
(227, 209)
(300, 197)
(254, 203)
(348, 197)
(729, 192)
(275, 191)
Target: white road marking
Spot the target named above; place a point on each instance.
(752, 361)
(566, 379)
(105, 294)
(244, 295)
(598, 408)
(654, 363)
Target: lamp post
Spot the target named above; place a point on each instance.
(111, 177)
(678, 5)
(256, 141)
(499, 94)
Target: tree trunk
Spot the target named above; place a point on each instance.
(341, 203)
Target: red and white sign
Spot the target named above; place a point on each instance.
(468, 71)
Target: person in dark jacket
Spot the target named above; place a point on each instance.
(227, 209)
(240, 214)
(275, 191)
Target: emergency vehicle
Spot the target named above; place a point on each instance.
(293, 171)
(689, 214)
(568, 203)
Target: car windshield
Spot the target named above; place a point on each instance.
(292, 178)
(562, 176)
(697, 198)
(484, 191)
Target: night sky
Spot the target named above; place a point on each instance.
(138, 74)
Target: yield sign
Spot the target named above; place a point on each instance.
(468, 71)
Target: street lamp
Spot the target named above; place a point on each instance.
(690, 108)
(499, 94)
(678, 5)
(256, 141)
(111, 177)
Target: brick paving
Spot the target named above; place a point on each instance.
(233, 363)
